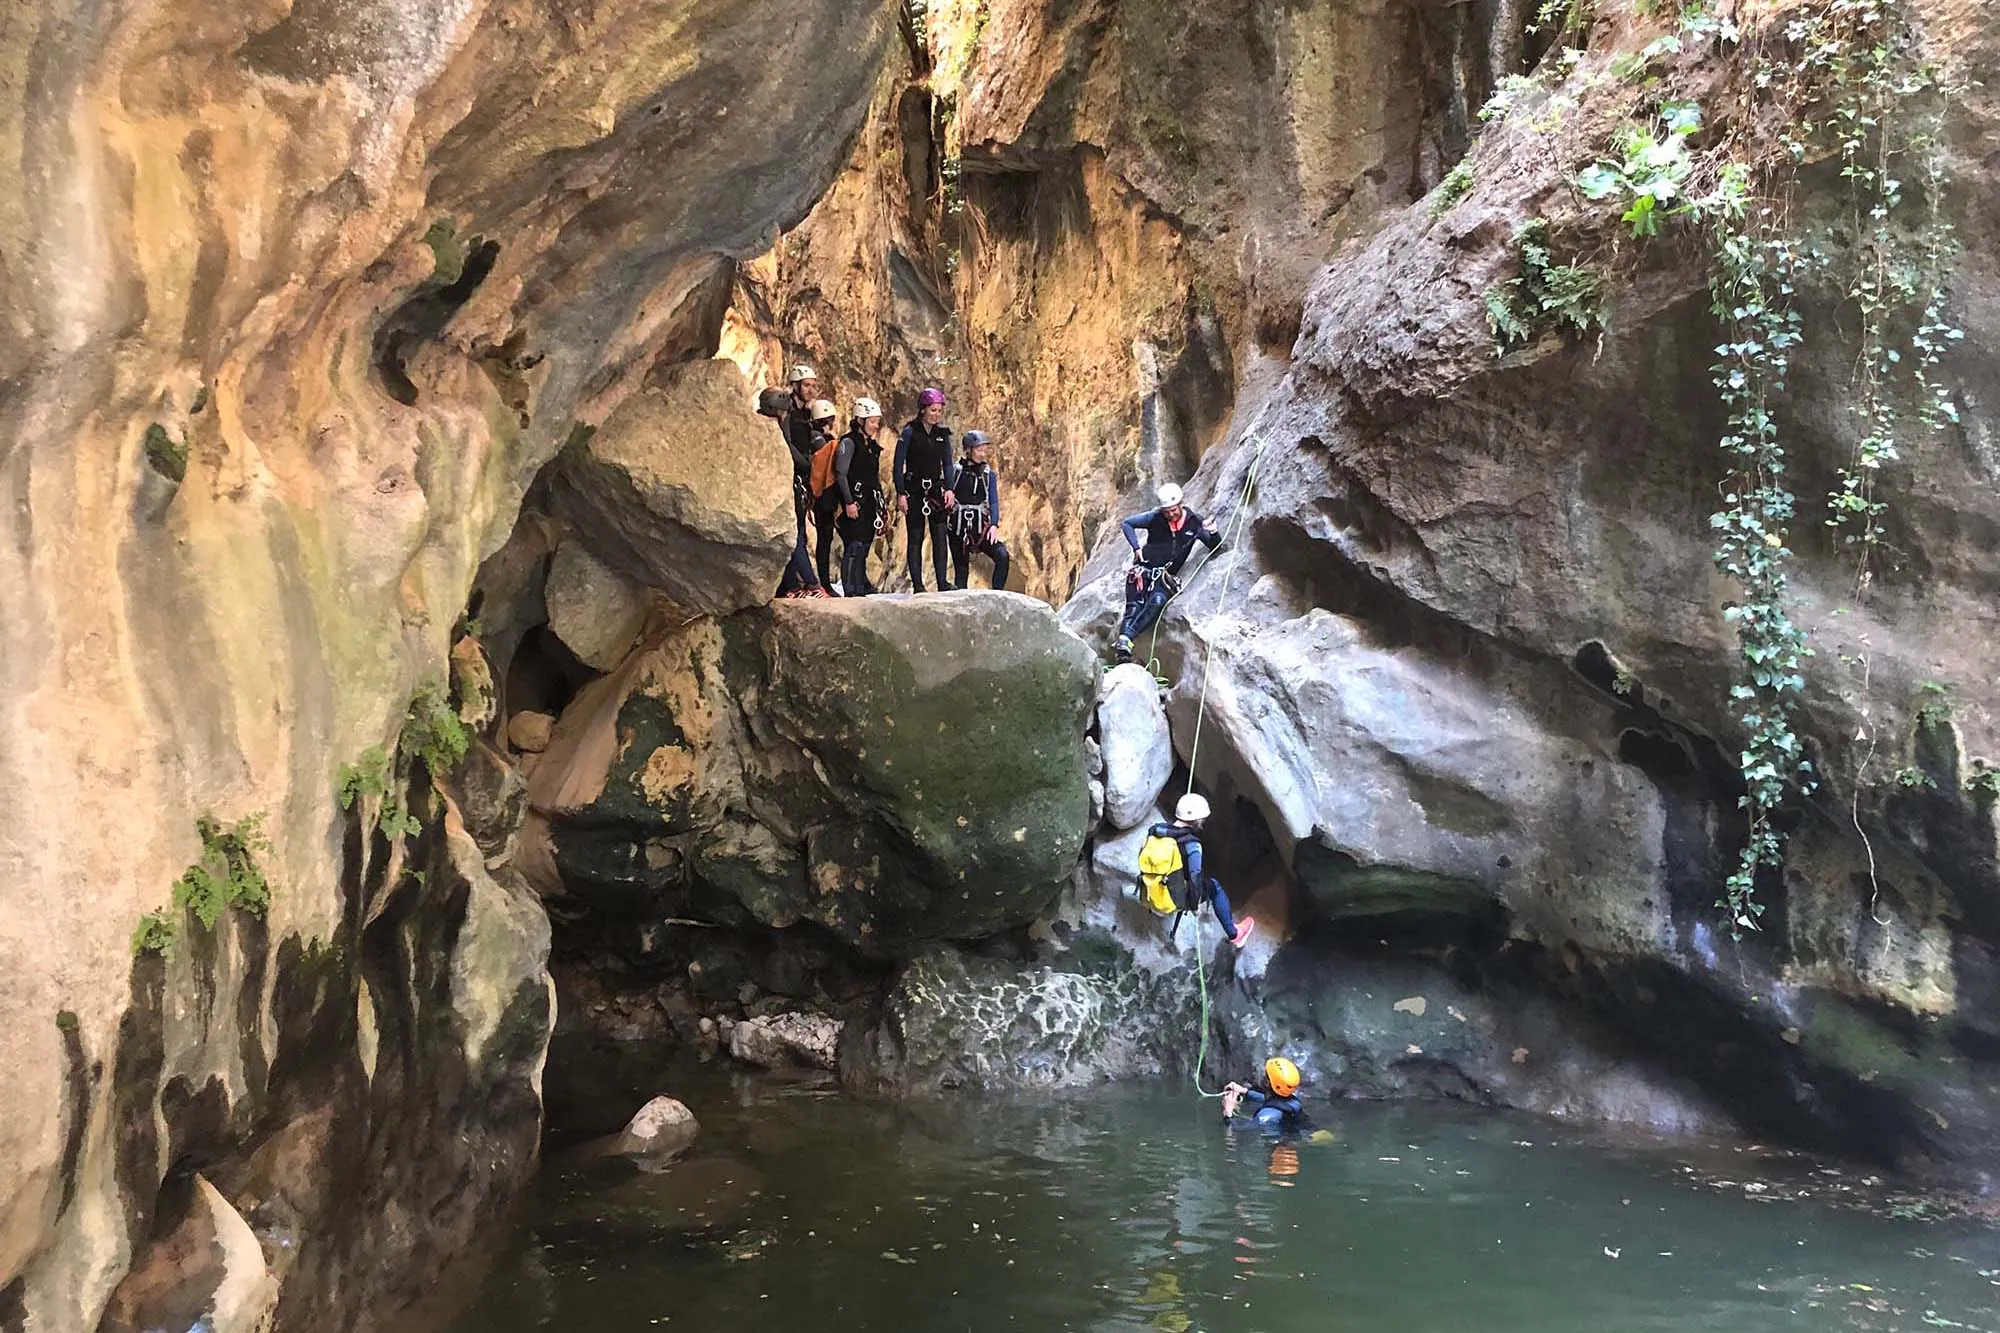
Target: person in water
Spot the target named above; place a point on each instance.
(1273, 1104)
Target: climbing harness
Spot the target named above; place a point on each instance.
(967, 524)
(1233, 533)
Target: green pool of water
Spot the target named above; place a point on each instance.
(1135, 1209)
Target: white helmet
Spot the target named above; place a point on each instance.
(867, 407)
(822, 410)
(1191, 809)
(803, 372)
(1169, 495)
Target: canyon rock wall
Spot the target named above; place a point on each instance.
(1467, 673)
(295, 300)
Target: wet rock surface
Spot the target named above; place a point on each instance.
(890, 771)
(1138, 752)
(1470, 686)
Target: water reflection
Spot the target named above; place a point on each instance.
(1137, 1210)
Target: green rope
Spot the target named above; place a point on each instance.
(1201, 972)
(1233, 532)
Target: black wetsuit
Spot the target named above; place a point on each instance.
(857, 480)
(1286, 1115)
(1163, 549)
(978, 492)
(797, 429)
(924, 470)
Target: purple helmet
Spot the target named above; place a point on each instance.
(928, 396)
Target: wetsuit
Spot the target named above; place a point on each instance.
(978, 493)
(1206, 888)
(797, 429)
(923, 471)
(1271, 1112)
(1163, 546)
(857, 480)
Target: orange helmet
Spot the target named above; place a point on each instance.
(1282, 1075)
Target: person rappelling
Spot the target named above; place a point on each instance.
(857, 478)
(1162, 539)
(1171, 878)
(924, 470)
(975, 518)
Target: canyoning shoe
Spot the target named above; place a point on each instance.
(1243, 929)
(1122, 651)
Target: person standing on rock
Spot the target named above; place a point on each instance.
(924, 471)
(857, 480)
(1162, 539)
(795, 424)
(1190, 813)
(975, 515)
(819, 484)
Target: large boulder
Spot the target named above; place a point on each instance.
(592, 609)
(1138, 751)
(894, 770)
(684, 490)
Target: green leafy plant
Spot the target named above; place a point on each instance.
(370, 775)
(157, 933)
(1915, 779)
(432, 731)
(1846, 79)
(1544, 296)
(1649, 173)
(226, 875)
(1456, 184)
(1933, 705)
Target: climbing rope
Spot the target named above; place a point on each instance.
(1233, 533)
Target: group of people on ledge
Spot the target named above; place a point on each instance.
(951, 499)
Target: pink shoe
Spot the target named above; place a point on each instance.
(1243, 929)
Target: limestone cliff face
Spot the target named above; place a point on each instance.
(295, 299)
(1095, 223)
(1470, 679)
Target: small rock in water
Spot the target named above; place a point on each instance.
(662, 1125)
(776, 1040)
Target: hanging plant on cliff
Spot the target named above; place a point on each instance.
(1842, 81)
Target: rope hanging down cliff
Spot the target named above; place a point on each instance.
(1233, 533)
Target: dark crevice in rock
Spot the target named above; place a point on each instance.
(543, 675)
(135, 1084)
(423, 317)
(13, 1307)
(79, 1082)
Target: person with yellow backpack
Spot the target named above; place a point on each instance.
(1171, 879)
